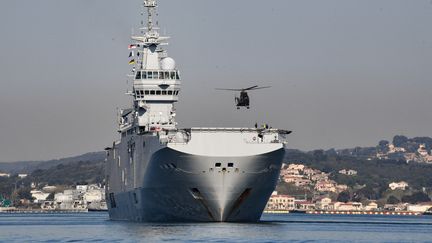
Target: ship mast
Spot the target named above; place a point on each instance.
(150, 5)
(156, 81)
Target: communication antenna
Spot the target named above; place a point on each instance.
(150, 5)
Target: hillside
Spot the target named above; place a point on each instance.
(373, 175)
(30, 166)
(371, 182)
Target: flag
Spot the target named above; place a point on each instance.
(132, 46)
(131, 54)
(132, 61)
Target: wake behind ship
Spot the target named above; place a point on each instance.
(158, 172)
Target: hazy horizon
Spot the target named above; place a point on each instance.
(344, 73)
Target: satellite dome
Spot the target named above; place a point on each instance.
(168, 63)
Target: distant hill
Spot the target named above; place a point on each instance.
(30, 166)
(80, 172)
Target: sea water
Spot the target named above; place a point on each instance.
(96, 227)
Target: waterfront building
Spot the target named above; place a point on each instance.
(280, 202)
(39, 196)
(349, 206)
(48, 205)
(420, 207)
(396, 207)
(304, 205)
(372, 206)
(324, 203)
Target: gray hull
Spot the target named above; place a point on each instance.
(182, 187)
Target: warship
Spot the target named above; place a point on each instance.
(157, 172)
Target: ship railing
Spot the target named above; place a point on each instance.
(178, 137)
(249, 141)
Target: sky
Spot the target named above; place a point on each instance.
(344, 73)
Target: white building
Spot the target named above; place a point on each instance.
(349, 206)
(49, 188)
(299, 167)
(280, 202)
(81, 188)
(4, 174)
(324, 203)
(348, 172)
(39, 195)
(393, 149)
(420, 208)
(422, 150)
(402, 185)
(372, 206)
(22, 176)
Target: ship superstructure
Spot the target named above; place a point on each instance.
(159, 172)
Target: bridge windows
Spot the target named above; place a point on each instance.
(139, 94)
(170, 75)
(138, 75)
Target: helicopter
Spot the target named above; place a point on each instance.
(243, 99)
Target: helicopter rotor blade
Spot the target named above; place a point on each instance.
(250, 88)
(266, 87)
(230, 89)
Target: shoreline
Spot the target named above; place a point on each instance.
(378, 213)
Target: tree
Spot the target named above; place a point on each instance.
(383, 146)
(319, 155)
(393, 200)
(368, 192)
(343, 197)
(24, 193)
(416, 198)
(383, 143)
(399, 140)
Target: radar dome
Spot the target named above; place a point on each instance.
(168, 63)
